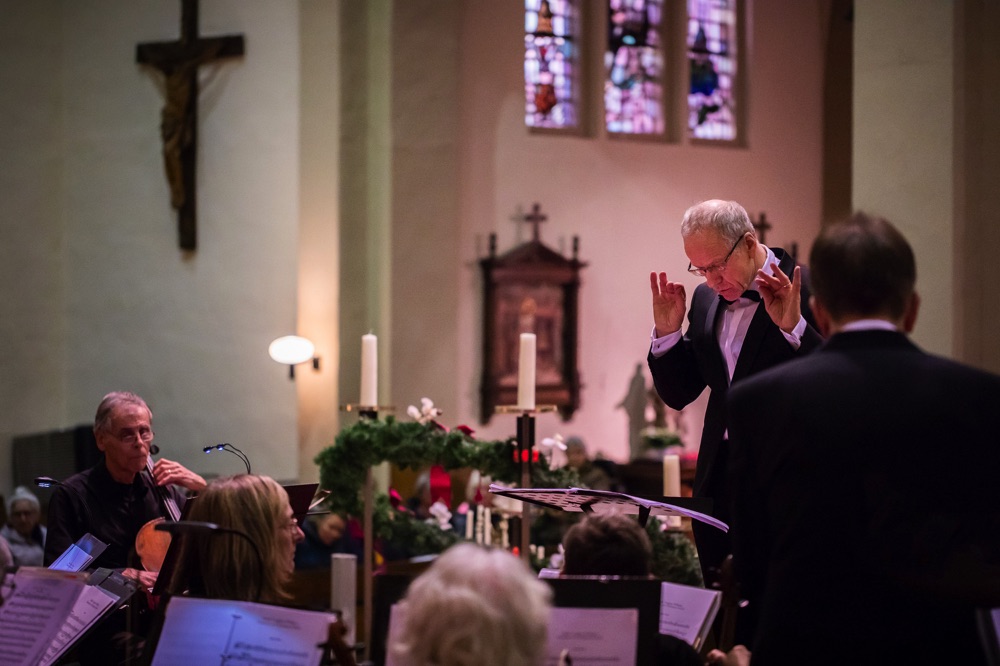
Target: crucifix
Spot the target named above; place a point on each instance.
(762, 226)
(179, 61)
(534, 218)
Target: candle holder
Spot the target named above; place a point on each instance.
(370, 412)
(524, 456)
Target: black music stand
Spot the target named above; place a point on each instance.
(603, 501)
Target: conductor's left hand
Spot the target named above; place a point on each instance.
(782, 297)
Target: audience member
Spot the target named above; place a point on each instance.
(591, 475)
(473, 606)
(867, 512)
(24, 533)
(113, 500)
(224, 565)
(325, 535)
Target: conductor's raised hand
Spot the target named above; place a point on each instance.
(167, 472)
(782, 297)
(669, 304)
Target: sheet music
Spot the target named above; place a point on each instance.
(687, 612)
(35, 612)
(593, 636)
(89, 607)
(240, 632)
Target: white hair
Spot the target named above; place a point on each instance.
(474, 606)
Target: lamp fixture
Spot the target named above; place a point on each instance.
(291, 350)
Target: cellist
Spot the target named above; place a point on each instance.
(114, 499)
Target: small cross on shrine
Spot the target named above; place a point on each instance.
(179, 61)
(534, 218)
(762, 226)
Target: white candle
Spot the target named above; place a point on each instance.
(479, 524)
(672, 483)
(469, 523)
(526, 372)
(671, 476)
(369, 370)
(487, 527)
(504, 533)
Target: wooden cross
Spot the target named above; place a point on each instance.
(762, 226)
(179, 61)
(534, 218)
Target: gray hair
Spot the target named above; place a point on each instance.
(726, 218)
(474, 606)
(22, 494)
(111, 402)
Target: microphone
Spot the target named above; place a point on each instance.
(46, 482)
(232, 449)
(200, 527)
(153, 449)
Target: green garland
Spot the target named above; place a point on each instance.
(415, 445)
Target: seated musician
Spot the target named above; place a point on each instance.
(115, 498)
(616, 545)
(223, 565)
(251, 557)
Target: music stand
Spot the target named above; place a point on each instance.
(300, 497)
(603, 501)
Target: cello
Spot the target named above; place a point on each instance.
(151, 544)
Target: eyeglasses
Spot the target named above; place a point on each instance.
(133, 436)
(715, 268)
(293, 526)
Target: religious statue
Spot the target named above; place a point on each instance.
(664, 429)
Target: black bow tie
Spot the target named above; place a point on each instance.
(752, 294)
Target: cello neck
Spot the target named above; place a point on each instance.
(167, 503)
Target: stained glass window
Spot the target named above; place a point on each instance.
(712, 57)
(551, 63)
(633, 63)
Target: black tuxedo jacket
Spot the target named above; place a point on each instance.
(695, 362)
(865, 520)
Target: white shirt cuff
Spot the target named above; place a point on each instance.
(662, 345)
(795, 337)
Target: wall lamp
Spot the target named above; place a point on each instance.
(291, 350)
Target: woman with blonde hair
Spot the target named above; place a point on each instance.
(251, 511)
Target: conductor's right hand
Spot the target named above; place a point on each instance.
(669, 304)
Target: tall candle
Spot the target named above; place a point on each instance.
(671, 476)
(369, 370)
(526, 372)
(487, 527)
(672, 483)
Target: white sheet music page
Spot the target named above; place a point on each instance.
(92, 603)
(687, 612)
(593, 636)
(35, 611)
(200, 631)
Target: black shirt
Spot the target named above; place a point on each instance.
(91, 501)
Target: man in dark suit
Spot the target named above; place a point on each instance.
(865, 477)
(750, 314)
